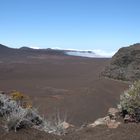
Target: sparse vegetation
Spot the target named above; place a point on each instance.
(17, 113)
(21, 99)
(130, 102)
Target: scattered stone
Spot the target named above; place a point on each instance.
(66, 125)
(128, 118)
(109, 121)
(113, 113)
(113, 124)
(100, 121)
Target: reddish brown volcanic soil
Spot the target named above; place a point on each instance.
(65, 84)
(71, 85)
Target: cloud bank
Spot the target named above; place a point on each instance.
(103, 53)
(97, 53)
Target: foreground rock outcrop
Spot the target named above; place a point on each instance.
(110, 120)
(125, 64)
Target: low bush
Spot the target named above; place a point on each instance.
(15, 116)
(21, 99)
(130, 102)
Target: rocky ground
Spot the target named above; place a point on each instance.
(125, 64)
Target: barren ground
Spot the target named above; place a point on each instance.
(69, 85)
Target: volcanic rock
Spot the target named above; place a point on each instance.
(113, 113)
(107, 121)
(125, 64)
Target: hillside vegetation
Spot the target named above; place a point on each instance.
(125, 64)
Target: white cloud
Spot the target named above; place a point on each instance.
(93, 54)
(103, 53)
(34, 47)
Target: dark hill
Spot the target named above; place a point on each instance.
(24, 52)
(25, 48)
(4, 48)
(125, 64)
(7, 51)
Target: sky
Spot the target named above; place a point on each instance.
(100, 25)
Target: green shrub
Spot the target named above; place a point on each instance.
(130, 101)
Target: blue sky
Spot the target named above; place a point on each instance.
(104, 25)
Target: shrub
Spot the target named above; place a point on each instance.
(21, 99)
(130, 101)
(16, 117)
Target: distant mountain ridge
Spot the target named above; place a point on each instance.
(4, 50)
(27, 50)
(3, 47)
